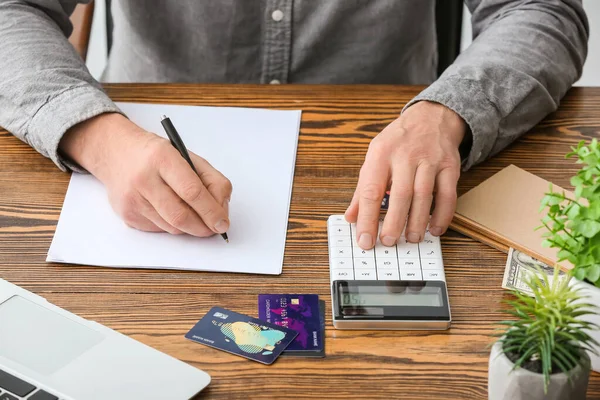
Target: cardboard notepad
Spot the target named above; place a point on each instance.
(504, 210)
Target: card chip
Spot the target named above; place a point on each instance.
(295, 301)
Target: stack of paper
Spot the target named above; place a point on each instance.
(254, 148)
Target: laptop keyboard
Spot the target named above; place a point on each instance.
(13, 388)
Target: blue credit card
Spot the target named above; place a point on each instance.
(242, 335)
(299, 312)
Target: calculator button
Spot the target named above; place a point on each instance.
(364, 263)
(340, 230)
(432, 264)
(407, 249)
(431, 275)
(337, 220)
(342, 274)
(382, 251)
(341, 241)
(409, 263)
(387, 263)
(367, 275)
(358, 252)
(341, 263)
(388, 274)
(341, 252)
(410, 274)
(429, 252)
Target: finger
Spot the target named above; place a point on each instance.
(143, 224)
(188, 186)
(351, 213)
(138, 221)
(173, 210)
(217, 184)
(129, 205)
(150, 214)
(371, 185)
(401, 194)
(421, 203)
(445, 201)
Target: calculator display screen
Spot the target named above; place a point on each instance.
(390, 300)
(378, 296)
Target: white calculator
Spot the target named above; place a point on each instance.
(398, 287)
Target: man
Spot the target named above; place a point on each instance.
(524, 57)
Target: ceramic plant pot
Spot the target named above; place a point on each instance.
(593, 297)
(521, 384)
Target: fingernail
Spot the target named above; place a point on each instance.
(222, 226)
(388, 241)
(435, 231)
(413, 237)
(365, 241)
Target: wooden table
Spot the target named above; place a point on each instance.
(159, 307)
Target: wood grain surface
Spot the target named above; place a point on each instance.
(158, 307)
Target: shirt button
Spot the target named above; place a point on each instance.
(277, 15)
(275, 82)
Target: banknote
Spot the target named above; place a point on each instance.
(518, 268)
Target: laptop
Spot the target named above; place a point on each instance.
(48, 353)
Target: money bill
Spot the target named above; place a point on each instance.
(518, 268)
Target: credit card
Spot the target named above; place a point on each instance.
(242, 335)
(305, 353)
(299, 312)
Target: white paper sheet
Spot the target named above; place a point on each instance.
(254, 148)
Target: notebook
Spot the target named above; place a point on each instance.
(503, 212)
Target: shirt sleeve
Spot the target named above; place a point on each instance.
(46, 87)
(524, 57)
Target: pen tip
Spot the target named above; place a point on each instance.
(227, 240)
(163, 117)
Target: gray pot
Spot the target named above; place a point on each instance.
(521, 384)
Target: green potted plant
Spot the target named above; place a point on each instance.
(573, 227)
(542, 352)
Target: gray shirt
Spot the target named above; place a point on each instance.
(524, 57)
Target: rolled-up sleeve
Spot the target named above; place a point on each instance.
(45, 86)
(524, 57)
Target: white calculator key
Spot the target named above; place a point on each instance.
(387, 263)
(388, 274)
(342, 274)
(364, 263)
(340, 230)
(409, 263)
(341, 241)
(358, 252)
(341, 252)
(382, 251)
(432, 275)
(432, 264)
(407, 249)
(429, 252)
(338, 220)
(341, 263)
(365, 274)
(410, 274)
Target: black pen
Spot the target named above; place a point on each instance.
(178, 144)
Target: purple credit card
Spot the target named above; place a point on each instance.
(299, 312)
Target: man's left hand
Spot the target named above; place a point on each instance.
(417, 158)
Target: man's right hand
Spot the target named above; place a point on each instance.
(149, 184)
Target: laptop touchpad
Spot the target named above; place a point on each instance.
(39, 338)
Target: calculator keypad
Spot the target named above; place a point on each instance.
(404, 261)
